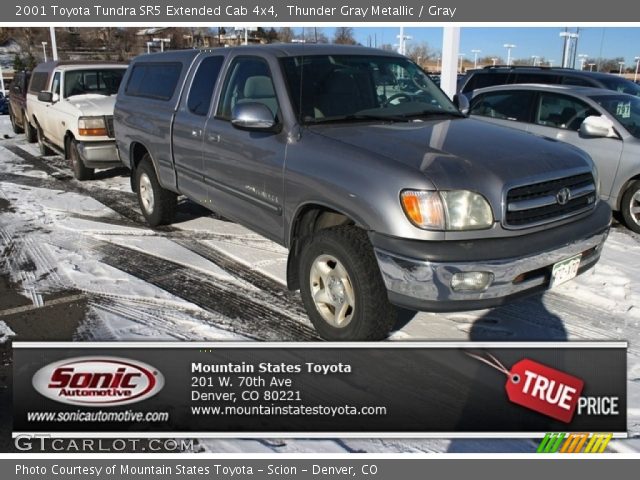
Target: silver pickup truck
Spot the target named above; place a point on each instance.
(383, 192)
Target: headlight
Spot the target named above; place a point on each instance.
(92, 126)
(449, 210)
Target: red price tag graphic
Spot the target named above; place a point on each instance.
(544, 389)
(539, 387)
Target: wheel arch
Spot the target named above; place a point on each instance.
(624, 188)
(308, 219)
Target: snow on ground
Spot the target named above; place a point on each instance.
(66, 236)
(5, 332)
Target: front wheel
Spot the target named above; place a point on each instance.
(44, 150)
(158, 205)
(80, 171)
(630, 206)
(30, 131)
(341, 286)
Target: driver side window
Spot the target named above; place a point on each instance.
(560, 111)
(55, 84)
(249, 81)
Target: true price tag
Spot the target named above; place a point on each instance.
(538, 387)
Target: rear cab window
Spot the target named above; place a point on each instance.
(154, 80)
(38, 82)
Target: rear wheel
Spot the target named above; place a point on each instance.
(44, 150)
(80, 171)
(16, 128)
(30, 131)
(158, 205)
(342, 288)
(630, 206)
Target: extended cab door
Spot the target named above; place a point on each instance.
(244, 169)
(560, 116)
(189, 125)
(49, 119)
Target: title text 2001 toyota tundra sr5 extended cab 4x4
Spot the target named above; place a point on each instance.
(353, 159)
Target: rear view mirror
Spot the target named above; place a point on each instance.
(46, 97)
(597, 126)
(462, 103)
(252, 116)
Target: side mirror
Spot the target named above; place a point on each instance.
(46, 97)
(597, 126)
(252, 116)
(462, 103)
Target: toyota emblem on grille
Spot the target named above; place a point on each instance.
(563, 196)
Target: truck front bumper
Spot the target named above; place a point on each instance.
(519, 265)
(99, 154)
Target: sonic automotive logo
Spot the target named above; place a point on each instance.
(98, 381)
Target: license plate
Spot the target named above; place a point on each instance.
(565, 270)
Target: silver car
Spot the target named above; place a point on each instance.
(604, 123)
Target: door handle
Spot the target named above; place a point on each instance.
(196, 132)
(213, 137)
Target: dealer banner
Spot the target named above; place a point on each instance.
(319, 389)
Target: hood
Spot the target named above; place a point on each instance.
(92, 105)
(464, 153)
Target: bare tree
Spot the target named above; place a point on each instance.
(315, 35)
(488, 60)
(420, 53)
(285, 34)
(344, 36)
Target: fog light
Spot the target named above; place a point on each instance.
(471, 281)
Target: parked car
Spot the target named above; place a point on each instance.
(4, 104)
(383, 196)
(604, 123)
(70, 107)
(18, 104)
(501, 75)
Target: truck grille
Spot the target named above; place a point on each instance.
(108, 121)
(546, 202)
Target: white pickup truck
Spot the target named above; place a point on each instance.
(70, 108)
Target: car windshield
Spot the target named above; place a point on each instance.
(328, 88)
(98, 81)
(622, 85)
(625, 108)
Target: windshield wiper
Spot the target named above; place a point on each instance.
(424, 113)
(359, 116)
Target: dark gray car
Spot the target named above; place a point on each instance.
(384, 193)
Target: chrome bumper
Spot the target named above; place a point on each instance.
(425, 285)
(99, 154)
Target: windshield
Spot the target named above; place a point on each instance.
(621, 85)
(362, 87)
(625, 108)
(99, 81)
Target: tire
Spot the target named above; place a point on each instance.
(16, 128)
(44, 150)
(342, 288)
(630, 206)
(81, 172)
(157, 204)
(30, 131)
